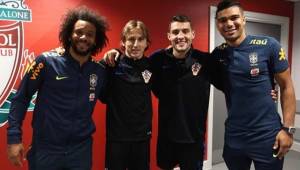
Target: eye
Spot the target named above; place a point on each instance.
(131, 39)
(234, 17)
(222, 20)
(185, 31)
(90, 34)
(78, 32)
(141, 38)
(175, 32)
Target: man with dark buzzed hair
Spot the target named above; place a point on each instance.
(181, 84)
(248, 65)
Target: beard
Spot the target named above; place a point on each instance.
(80, 52)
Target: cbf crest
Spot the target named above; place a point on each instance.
(12, 16)
(253, 58)
(93, 81)
(254, 69)
(93, 84)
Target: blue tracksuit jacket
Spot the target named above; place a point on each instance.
(67, 94)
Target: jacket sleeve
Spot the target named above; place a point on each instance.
(104, 92)
(30, 83)
(155, 60)
(215, 70)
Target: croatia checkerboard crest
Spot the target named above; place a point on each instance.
(12, 15)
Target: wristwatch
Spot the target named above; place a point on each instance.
(289, 130)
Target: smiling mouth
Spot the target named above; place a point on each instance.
(135, 51)
(230, 31)
(181, 43)
(83, 45)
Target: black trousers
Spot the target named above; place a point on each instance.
(133, 155)
(188, 156)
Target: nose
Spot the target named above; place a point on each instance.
(229, 23)
(135, 43)
(180, 34)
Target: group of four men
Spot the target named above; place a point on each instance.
(69, 84)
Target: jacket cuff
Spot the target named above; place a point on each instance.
(14, 139)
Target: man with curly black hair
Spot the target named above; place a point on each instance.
(68, 86)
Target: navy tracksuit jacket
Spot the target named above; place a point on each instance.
(67, 94)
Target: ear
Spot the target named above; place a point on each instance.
(169, 36)
(244, 20)
(148, 44)
(122, 44)
(193, 34)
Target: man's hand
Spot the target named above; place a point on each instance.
(15, 153)
(274, 94)
(283, 143)
(60, 50)
(111, 56)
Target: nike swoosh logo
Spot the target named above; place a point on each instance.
(61, 77)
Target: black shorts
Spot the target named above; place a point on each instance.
(188, 156)
(127, 155)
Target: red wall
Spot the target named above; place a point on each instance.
(42, 34)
